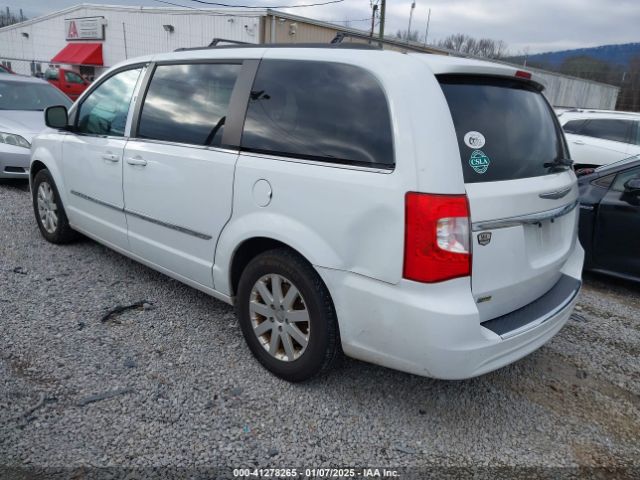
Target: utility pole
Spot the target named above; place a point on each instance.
(383, 5)
(413, 6)
(426, 32)
(373, 20)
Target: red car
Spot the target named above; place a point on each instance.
(68, 81)
(4, 69)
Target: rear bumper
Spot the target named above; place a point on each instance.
(14, 162)
(434, 330)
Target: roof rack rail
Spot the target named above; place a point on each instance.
(342, 38)
(235, 44)
(216, 42)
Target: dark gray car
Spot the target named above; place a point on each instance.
(610, 218)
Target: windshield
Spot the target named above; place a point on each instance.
(30, 96)
(506, 129)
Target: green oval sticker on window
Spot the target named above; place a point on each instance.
(479, 161)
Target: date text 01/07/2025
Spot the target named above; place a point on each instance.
(315, 473)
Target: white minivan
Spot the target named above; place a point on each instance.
(411, 210)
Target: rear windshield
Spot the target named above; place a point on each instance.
(506, 129)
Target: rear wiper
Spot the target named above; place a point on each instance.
(559, 163)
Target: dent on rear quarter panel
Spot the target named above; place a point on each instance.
(336, 218)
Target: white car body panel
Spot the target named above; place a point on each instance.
(92, 168)
(597, 151)
(587, 150)
(347, 221)
(189, 189)
(530, 257)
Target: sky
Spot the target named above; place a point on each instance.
(531, 26)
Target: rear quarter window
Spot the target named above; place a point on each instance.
(322, 111)
(573, 126)
(608, 129)
(506, 129)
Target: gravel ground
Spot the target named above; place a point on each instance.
(172, 382)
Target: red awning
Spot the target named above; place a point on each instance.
(80, 54)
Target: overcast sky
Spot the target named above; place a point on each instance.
(533, 25)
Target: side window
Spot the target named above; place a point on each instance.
(624, 177)
(574, 126)
(105, 110)
(73, 77)
(608, 129)
(188, 103)
(51, 74)
(316, 110)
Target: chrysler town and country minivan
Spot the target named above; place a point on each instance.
(411, 210)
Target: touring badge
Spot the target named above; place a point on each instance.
(484, 238)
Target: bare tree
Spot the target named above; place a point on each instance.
(483, 47)
(414, 35)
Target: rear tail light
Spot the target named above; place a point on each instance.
(523, 74)
(437, 237)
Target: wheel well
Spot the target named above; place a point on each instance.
(36, 166)
(248, 250)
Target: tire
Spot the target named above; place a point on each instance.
(54, 226)
(298, 362)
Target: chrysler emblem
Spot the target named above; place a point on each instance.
(484, 238)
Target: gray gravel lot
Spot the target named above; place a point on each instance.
(172, 383)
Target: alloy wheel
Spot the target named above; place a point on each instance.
(279, 317)
(47, 208)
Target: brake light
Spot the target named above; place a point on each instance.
(437, 237)
(523, 74)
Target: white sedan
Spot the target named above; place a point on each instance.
(600, 137)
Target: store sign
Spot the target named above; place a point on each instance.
(87, 28)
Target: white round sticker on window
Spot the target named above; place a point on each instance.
(474, 140)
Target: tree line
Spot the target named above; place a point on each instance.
(461, 43)
(627, 77)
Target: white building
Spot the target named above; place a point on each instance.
(91, 38)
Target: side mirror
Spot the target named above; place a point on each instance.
(632, 186)
(56, 117)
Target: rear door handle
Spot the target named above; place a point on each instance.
(111, 157)
(136, 161)
(578, 142)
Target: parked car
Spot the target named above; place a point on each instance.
(22, 101)
(67, 81)
(610, 218)
(4, 69)
(600, 137)
(342, 198)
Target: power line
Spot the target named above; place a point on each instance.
(207, 12)
(347, 21)
(270, 7)
(216, 14)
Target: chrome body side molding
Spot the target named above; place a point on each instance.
(172, 226)
(530, 219)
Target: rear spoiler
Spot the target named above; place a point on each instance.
(471, 77)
